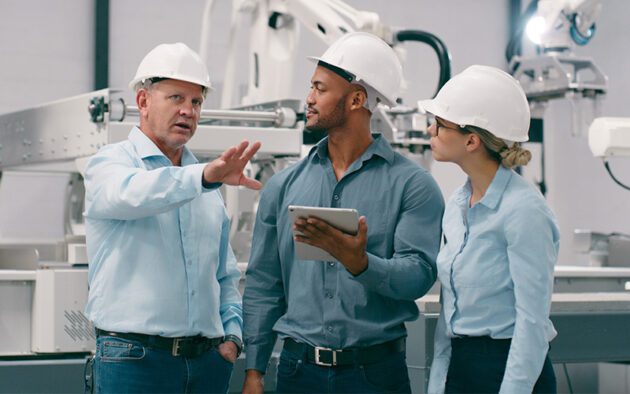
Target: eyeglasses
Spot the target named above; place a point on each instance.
(439, 123)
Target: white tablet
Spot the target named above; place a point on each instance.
(346, 220)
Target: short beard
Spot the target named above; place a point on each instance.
(336, 118)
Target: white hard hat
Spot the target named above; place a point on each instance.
(370, 60)
(172, 61)
(484, 97)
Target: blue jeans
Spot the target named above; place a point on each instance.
(124, 366)
(296, 375)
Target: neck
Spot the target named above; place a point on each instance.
(174, 154)
(346, 145)
(481, 173)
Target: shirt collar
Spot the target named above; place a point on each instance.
(497, 187)
(147, 148)
(493, 194)
(379, 147)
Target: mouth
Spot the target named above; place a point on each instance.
(310, 112)
(183, 126)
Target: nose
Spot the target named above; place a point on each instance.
(310, 97)
(187, 109)
(433, 130)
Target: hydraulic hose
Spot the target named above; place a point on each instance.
(444, 57)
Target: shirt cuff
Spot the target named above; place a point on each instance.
(375, 275)
(256, 358)
(437, 376)
(197, 170)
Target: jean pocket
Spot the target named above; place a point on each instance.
(288, 366)
(389, 375)
(113, 349)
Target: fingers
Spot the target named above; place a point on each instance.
(228, 153)
(251, 183)
(363, 228)
(240, 148)
(251, 151)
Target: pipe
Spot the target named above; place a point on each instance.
(444, 57)
(282, 117)
(101, 44)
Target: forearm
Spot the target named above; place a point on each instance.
(401, 277)
(131, 193)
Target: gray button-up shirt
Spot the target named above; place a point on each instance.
(321, 303)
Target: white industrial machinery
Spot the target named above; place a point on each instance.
(556, 27)
(610, 137)
(555, 71)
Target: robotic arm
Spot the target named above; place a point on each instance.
(558, 25)
(275, 29)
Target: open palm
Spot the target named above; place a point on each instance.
(228, 168)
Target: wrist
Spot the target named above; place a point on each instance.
(236, 341)
(360, 266)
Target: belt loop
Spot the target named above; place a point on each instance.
(304, 355)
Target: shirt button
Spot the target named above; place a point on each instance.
(329, 295)
(330, 328)
(192, 293)
(336, 197)
(331, 264)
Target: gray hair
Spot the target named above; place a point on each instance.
(146, 84)
(508, 156)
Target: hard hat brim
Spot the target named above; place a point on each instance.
(358, 80)
(135, 81)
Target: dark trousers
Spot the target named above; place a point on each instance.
(297, 375)
(478, 365)
(124, 366)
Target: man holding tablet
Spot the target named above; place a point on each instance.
(342, 320)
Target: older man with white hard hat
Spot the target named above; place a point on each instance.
(163, 279)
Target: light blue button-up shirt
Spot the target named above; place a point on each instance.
(321, 303)
(160, 259)
(496, 272)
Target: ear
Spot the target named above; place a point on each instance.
(357, 99)
(473, 142)
(142, 100)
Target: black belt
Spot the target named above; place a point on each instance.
(182, 346)
(329, 357)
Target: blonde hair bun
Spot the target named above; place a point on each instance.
(515, 156)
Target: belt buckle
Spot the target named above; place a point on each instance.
(175, 351)
(324, 364)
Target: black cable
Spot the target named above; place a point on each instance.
(444, 57)
(566, 375)
(617, 181)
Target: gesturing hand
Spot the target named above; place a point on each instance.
(228, 168)
(348, 249)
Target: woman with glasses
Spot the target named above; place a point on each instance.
(500, 244)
